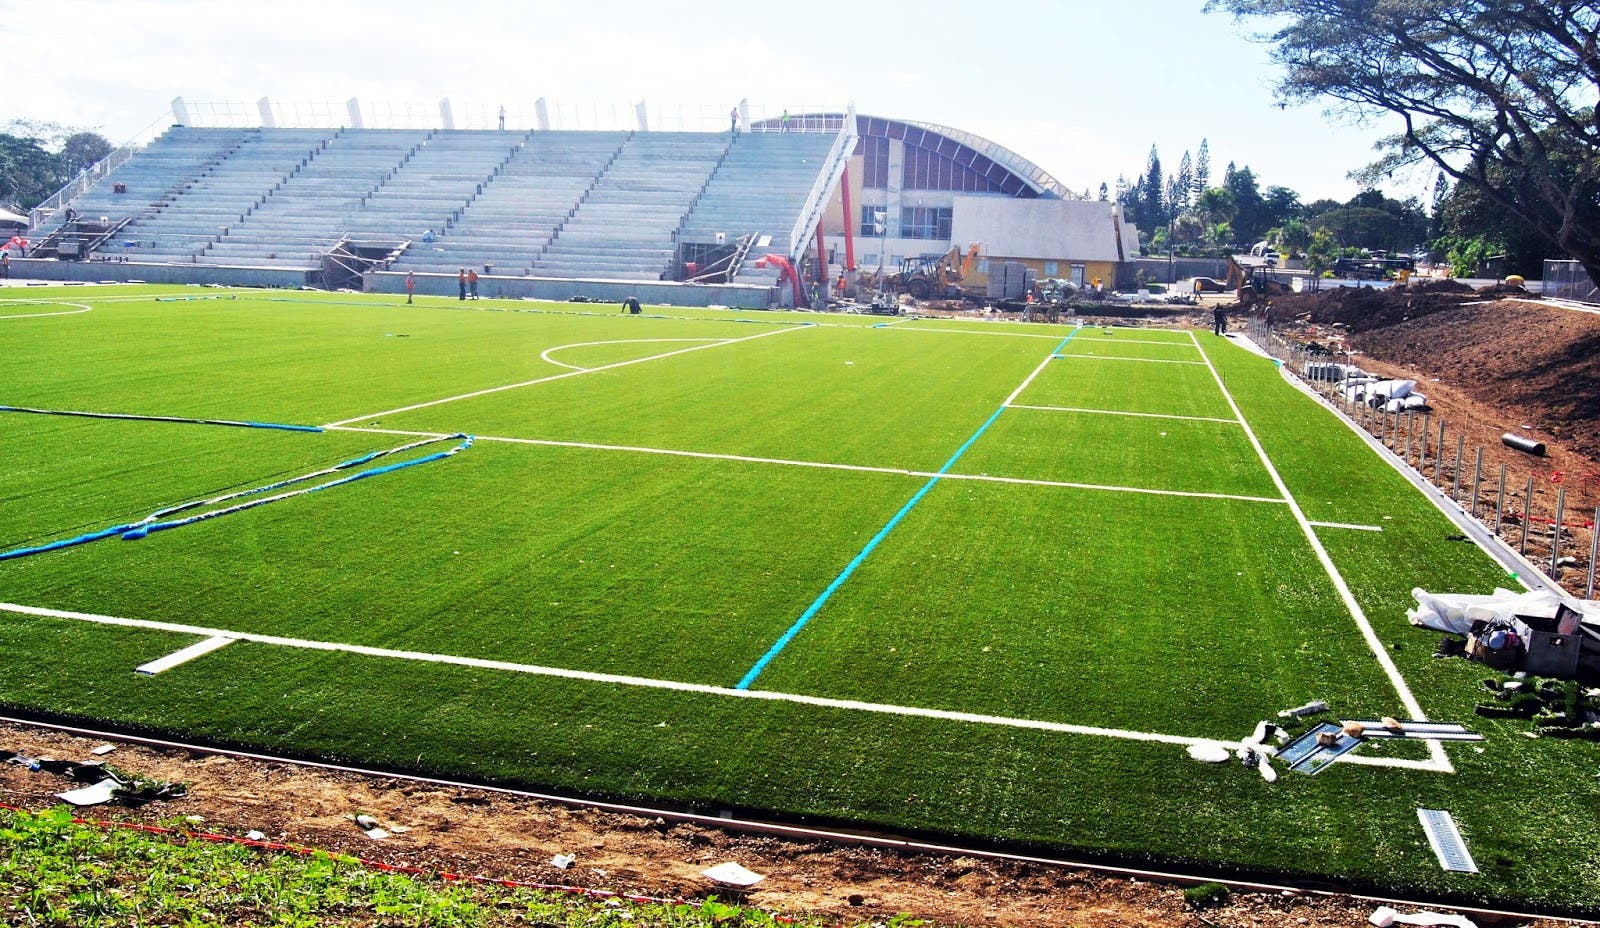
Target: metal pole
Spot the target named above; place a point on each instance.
(1527, 516)
(1409, 424)
(1555, 539)
(1395, 444)
(1500, 500)
(1477, 471)
(1438, 456)
(1594, 553)
(1422, 455)
(1455, 491)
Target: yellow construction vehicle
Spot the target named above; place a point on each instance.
(936, 277)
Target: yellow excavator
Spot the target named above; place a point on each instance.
(936, 278)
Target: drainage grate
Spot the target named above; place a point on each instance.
(1446, 840)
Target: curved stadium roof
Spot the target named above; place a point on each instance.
(1037, 178)
(1004, 170)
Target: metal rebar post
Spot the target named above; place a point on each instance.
(1409, 424)
(1422, 455)
(1438, 457)
(1594, 552)
(1555, 539)
(1527, 516)
(1477, 472)
(1455, 491)
(1500, 500)
(1395, 444)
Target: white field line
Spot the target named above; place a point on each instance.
(1118, 412)
(1359, 528)
(1374, 644)
(193, 651)
(641, 682)
(820, 465)
(210, 294)
(545, 354)
(1107, 357)
(1126, 341)
(971, 332)
(562, 376)
(68, 312)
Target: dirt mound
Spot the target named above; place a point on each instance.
(1535, 364)
(1360, 309)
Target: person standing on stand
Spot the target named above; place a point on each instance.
(411, 285)
(472, 283)
(783, 121)
(733, 121)
(461, 281)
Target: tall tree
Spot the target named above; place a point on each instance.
(1250, 221)
(36, 159)
(27, 171)
(80, 151)
(1202, 169)
(1498, 94)
(1183, 184)
(1105, 194)
(1154, 191)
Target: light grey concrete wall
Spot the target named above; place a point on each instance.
(49, 269)
(560, 289)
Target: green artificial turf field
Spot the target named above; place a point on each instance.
(983, 581)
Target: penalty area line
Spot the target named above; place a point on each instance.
(214, 638)
(820, 465)
(561, 376)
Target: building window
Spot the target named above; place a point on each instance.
(874, 162)
(1052, 268)
(927, 222)
(869, 221)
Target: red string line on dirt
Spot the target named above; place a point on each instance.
(442, 875)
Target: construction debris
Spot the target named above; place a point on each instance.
(120, 786)
(732, 875)
(1386, 916)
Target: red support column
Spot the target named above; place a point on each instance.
(849, 222)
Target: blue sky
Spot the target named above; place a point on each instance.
(1081, 88)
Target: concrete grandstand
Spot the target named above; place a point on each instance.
(681, 217)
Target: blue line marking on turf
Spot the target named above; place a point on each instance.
(133, 417)
(152, 523)
(850, 568)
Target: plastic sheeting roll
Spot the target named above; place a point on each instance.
(1535, 448)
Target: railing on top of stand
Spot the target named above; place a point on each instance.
(844, 143)
(1538, 530)
(74, 188)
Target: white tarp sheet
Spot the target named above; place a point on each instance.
(1455, 612)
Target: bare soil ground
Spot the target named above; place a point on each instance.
(478, 832)
(1490, 362)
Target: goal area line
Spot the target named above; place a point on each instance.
(584, 676)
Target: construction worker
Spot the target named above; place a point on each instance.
(411, 284)
(461, 282)
(472, 283)
(1219, 317)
